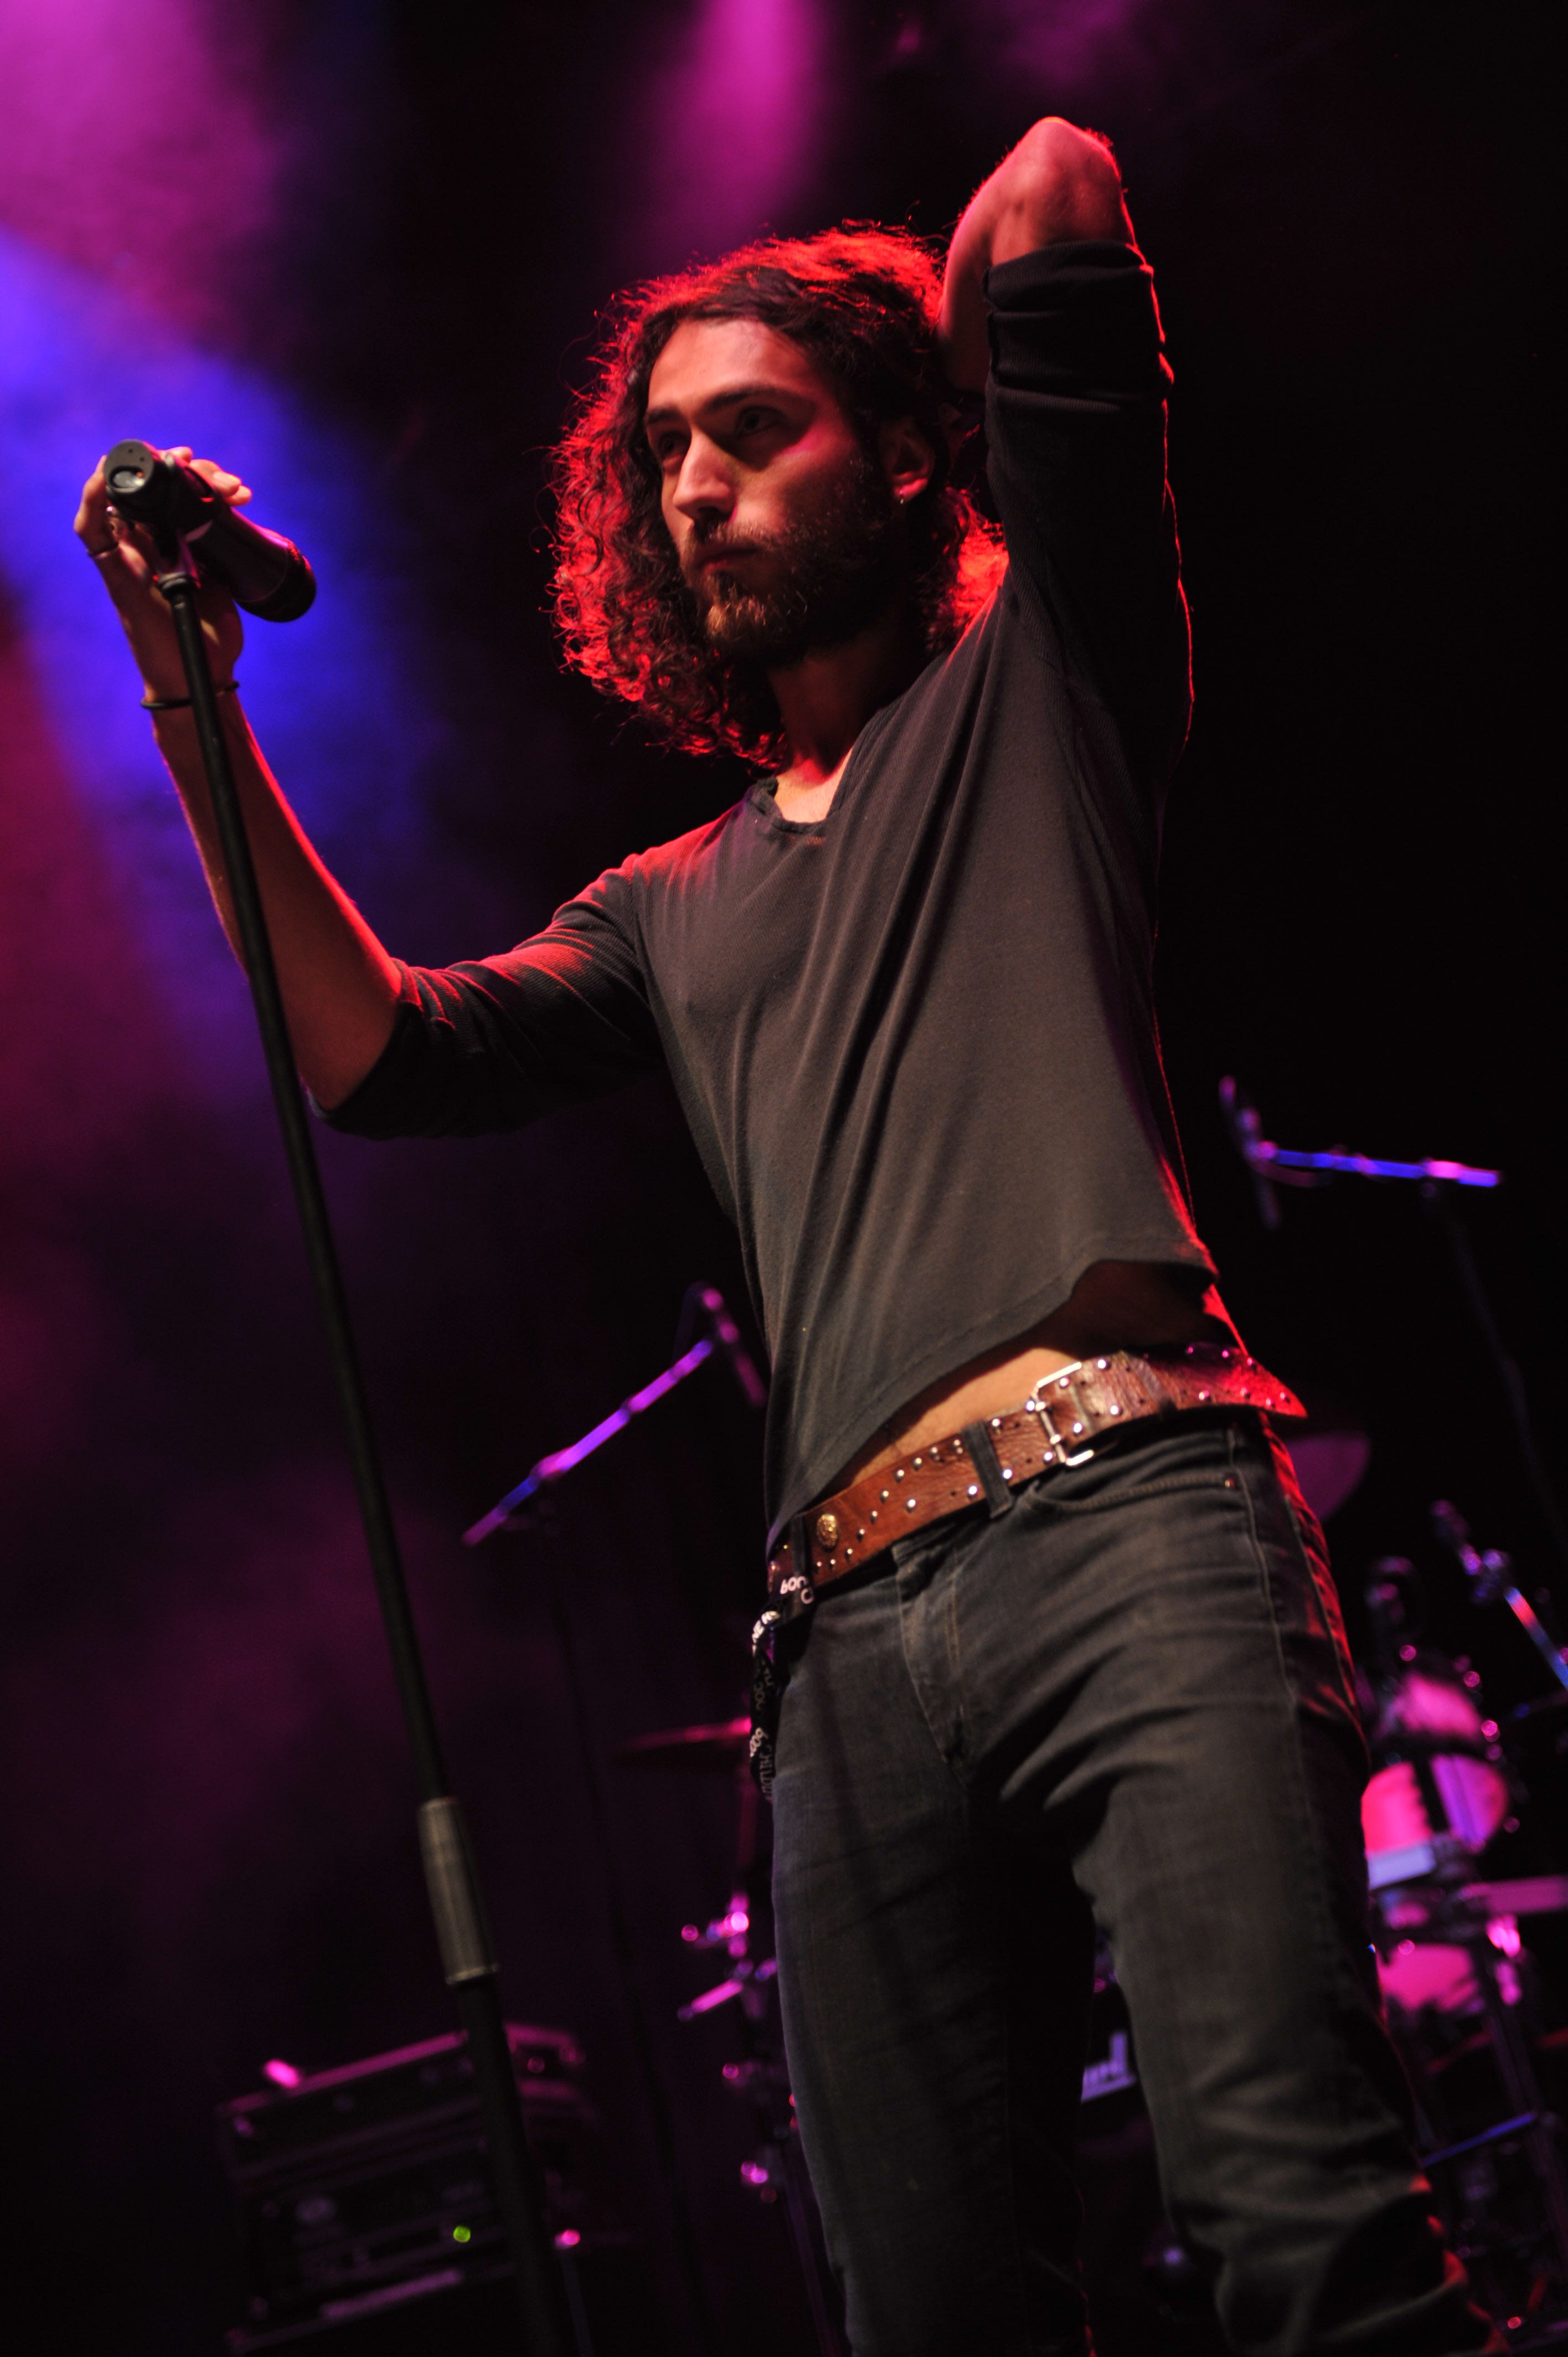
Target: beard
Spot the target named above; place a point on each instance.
(837, 572)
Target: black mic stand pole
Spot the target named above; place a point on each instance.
(456, 1901)
(1505, 1366)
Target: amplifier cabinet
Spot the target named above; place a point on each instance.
(361, 2186)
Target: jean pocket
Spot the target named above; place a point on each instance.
(1184, 1457)
(1131, 1493)
(952, 1535)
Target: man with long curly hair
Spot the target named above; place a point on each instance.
(1049, 1637)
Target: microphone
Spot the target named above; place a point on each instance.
(1246, 1128)
(727, 1341)
(263, 572)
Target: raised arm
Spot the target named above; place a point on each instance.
(1051, 307)
(339, 986)
(1059, 184)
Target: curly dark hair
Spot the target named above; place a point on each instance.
(861, 301)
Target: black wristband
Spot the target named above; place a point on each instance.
(182, 703)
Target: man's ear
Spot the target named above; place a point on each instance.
(908, 460)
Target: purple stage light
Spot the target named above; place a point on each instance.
(1067, 43)
(333, 695)
(135, 144)
(737, 125)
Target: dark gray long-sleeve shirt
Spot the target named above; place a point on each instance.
(915, 1039)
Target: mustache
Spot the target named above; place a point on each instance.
(833, 569)
(705, 546)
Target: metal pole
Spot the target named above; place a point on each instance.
(1511, 1381)
(687, 2254)
(455, 1898)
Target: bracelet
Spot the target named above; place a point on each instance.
(182, 703)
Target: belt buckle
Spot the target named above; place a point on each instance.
(1035, 1404)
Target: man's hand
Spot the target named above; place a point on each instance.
(1056, 185)
(127, 560)
(339, 987)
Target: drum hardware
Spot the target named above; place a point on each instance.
(1438, 1794)
(1449, 1949)
(1491, 1582)
(1488, 2210)
(1542, 1712)
(529, 1508)
(747, 1978)
(776, 2171)
(722, 1745)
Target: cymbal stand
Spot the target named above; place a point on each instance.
(1443, 1906)
(1454, 1916)
(660, 2115)
(777, 2169)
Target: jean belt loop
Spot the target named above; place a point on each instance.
(799, 1533)
(982, 1451)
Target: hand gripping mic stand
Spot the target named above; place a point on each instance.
(456, 1902)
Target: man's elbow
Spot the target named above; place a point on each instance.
(1063, 185)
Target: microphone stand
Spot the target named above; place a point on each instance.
(456, 1900)
(701, 1299)
(1273, 1165)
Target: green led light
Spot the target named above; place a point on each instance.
(462, 2233)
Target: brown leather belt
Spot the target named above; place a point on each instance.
(1059, 1425)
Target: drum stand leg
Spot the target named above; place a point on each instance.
(778, 2171)
(1516, 2068)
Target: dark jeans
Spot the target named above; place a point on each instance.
(1127, 1697)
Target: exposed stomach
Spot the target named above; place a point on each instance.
(1117, 1304)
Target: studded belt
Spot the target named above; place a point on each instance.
(1068, 1416)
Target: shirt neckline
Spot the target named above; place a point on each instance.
(762, 794)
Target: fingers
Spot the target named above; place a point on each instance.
(93, 525)
(127, 556)
(228, 486)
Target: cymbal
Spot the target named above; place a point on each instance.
(722, 1745)
(1329, 1450)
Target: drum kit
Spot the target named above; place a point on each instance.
(1459, 1979)
(1459, 1989)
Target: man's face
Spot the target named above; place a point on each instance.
(790, 536)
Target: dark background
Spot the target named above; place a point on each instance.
(208, 1843)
